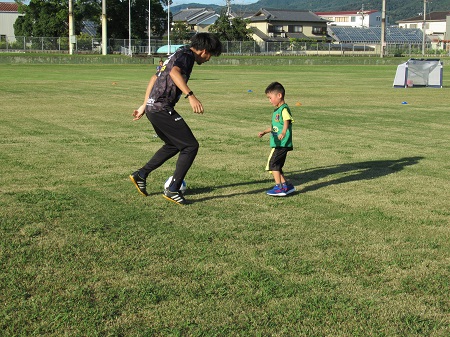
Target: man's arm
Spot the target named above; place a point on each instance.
(178, 79)
(139, 112)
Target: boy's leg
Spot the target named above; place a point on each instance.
(277, 177)
(275, 164)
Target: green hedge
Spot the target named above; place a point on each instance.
(17, 58)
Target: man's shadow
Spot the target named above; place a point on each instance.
(366, 170)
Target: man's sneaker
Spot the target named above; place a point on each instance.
(277, 191)
(288, 188)
(176, 197)
(139, 182)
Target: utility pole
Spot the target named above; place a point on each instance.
(362, 15)
(383, 28)
(72, 37)
(104, 35)
(229, 12)
(424, 26)
(228, 8)
(149, 27)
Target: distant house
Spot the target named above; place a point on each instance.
(360, 19)
(436, 24)
(197, 19)
(282, 25)
(8, 15)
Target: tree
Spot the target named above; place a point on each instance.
(231, 29)
(117, 13)
(180, 32)
(50, 18)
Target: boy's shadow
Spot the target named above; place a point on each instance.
(352, 172)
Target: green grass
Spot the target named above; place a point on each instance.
(362, 250)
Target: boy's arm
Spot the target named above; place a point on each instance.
(262, 133)
(139, 112)
(285, 127)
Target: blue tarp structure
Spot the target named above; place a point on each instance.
(173, 48)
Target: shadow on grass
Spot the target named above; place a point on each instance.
(347, 173)
(352, 172)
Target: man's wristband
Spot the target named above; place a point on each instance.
(189, 94)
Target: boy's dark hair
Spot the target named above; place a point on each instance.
(275, 87)
(208, 42)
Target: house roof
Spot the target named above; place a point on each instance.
(346, 12)
(432, 16)
(188, 14)
(9, 7)
(196, 16)
(242, 14)
(285, 15)
(202, 17)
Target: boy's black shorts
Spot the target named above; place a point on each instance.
(277, 158)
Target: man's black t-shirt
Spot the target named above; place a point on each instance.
(165, 94)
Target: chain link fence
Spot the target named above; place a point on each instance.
(140, 47)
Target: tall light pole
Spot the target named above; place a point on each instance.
(104, 35)
(129, 28)
(168, 27)
(424, 26)
(383, 28)
(149, 27)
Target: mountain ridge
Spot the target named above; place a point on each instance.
(395, 10)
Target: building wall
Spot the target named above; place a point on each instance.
(375, 20)
(202, 28)
(278, 28)
(262, 26)
(7, 20)
(431, 27)
(354, 20)
(447, 30)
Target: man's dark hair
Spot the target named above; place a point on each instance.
(208, 42)
(275, 87)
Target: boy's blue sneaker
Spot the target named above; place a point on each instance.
(288, 188)
(277, 191)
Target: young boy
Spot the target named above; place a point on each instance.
(280, 140)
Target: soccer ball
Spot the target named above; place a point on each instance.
(169, 180)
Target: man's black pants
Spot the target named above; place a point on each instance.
(178, 138)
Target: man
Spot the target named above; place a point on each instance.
(163, 92)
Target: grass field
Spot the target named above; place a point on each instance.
(362, 249)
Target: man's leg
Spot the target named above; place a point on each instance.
(178, 137)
